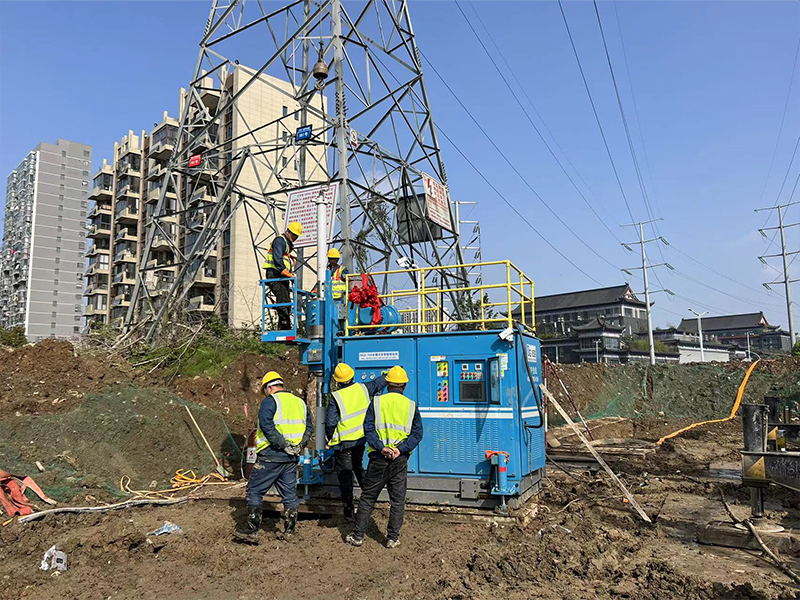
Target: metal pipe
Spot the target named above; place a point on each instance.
(754, 425)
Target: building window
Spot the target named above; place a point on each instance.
(58, 239)
(296, 116)
(284, 161)
(84, 183)
(77, 296)
(80, 265)
(58, 260)
(63, 153)
(56, 271)
(53, 315)
(55, 302)
(61, 197)
(62, 177)
(84, 204)
(55, 281)
(59, 228)
(85, 173)
(285, 111)
(76, 329)
(52, 325)
(60, 218)
(60, 207)
(61, 187)
(63, 166)
(55, 292)
(86, 153)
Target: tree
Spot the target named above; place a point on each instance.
(796, 348)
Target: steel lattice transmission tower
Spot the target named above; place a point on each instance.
(373, 133)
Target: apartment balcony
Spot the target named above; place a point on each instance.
(163, 242)
(161, 267)
(153, 194)
(124, 277)
(201, 196)
(99, 230)
(100, 209)
(96, 268)
(156, 172)
(210, 98)
(206, 277)
(125, 256)
(94, 289)
(160, 285)
(127, 212)
(129, 169)
(101, 192)
(121, 300)
(198, 221)
(202, 143)
(162, 149)
(95, 250)
(200, 304)
(129, 234)
(126, 189)
(91, 311)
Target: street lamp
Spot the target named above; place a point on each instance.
(700, 331)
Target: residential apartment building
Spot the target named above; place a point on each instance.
(44, 241)
(126, 193)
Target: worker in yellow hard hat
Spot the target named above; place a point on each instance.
(280, 266)
(393, 428)
(344, 428)
(338, 275)
(284, 429)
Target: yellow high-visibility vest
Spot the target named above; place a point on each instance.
(353, 402)
(338, 283)
(272, 262)
(394, 414)
(289, 419)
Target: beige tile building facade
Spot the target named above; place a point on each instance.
(125, 193)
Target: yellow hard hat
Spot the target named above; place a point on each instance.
(271, 378)
(397, 375)
(296, 228)
(343, 373)
(334, 253)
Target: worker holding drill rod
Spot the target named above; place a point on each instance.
(284, 429)
(393, 428)
(344, 428)
(280, 265)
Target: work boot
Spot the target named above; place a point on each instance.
(248, 531)
(390, 543)
(353, 540)
(349, 512)
(289, 523)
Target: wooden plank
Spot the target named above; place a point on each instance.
(597, 457)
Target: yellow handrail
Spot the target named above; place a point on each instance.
(441, 300)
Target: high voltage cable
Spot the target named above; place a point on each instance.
(535, 128)
(783, 120)
(511, 206)
(514, 168)
(596, 116)
(544, 123)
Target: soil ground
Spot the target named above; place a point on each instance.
(583, 543)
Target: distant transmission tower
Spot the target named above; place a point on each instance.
(353, 77)
(786, 281)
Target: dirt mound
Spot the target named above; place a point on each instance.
(240, 385)
(51, 377)
(145, 434)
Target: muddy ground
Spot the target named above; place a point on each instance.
(583, 543)
(90, 419)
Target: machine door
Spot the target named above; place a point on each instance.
(531, 419)
(466, 415)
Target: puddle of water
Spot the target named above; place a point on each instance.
(731, 474)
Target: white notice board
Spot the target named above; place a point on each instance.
(437, 201)
(301, 206)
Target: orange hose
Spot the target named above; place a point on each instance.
(728, 418)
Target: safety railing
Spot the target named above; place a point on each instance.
(298, 301)
(459, 305)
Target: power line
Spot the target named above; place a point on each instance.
(528, 117)
(594, 110)
(511, 206)
(513, 167)
(783, 120)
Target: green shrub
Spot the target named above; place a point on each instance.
(14, 337)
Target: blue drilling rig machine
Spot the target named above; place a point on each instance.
(475, 378)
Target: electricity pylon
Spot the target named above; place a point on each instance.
(355, 76)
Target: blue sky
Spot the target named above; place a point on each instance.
(710, 83)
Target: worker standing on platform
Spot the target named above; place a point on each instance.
(393, 428)
(344, 428)
(338, 275)
(280, 264)
(284, 428)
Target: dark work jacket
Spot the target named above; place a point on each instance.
(332, 415)
(406, 446)
(274, 452)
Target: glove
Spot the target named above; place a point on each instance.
(286, 273)
(292, 450)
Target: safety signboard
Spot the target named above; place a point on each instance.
(438, 202)
(303, 133)
(302, 206)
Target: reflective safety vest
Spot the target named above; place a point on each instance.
(273, 263)
(353, 402)
(338, 283)
(289, 419)
(394, 414)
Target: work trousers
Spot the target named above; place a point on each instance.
(266, 474)
(392, 474)
(281, 291)
(349, 463)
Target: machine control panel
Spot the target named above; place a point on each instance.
(442, 381)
